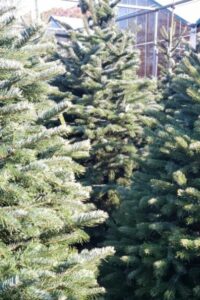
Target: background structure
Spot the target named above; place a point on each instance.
(145, 18)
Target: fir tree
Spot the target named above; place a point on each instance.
(171, 47)
(101, 65)
(43, 209)
(156, 234)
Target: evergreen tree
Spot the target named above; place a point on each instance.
(172, 48)
(101, 65)
(156, 234)
(43, 209)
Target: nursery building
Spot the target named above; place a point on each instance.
(145, 18)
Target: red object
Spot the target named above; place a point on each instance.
(73, 12)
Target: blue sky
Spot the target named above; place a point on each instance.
(189, 11)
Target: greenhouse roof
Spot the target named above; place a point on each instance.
(190, 11)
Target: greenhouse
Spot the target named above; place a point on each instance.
(145, 18)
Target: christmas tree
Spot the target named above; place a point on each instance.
(107, 98)
(171, 47)
(156, 234)
(43, 209)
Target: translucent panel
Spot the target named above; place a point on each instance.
(132, 2)
(186, 30)
(177, 28)
(151, 3)
(142, 70)
(122, 11)
(142, 2)
(150, 27)
(123, 24)
(161, 63)
(141, 22)
(163, 21)
(149, 60)
(132, 25)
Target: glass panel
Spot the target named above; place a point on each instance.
(143, 2)
(149, 61)
(150, 27)
(141, 22)
(123, 24)
(132, 2)
(122, 11)
(150, 3)
(141, 71)
(161, 63)
(162, 22)
(132, 25)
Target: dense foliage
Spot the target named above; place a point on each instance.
(156, 234)
(101, 63)
(141, 159)
(43, 209)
